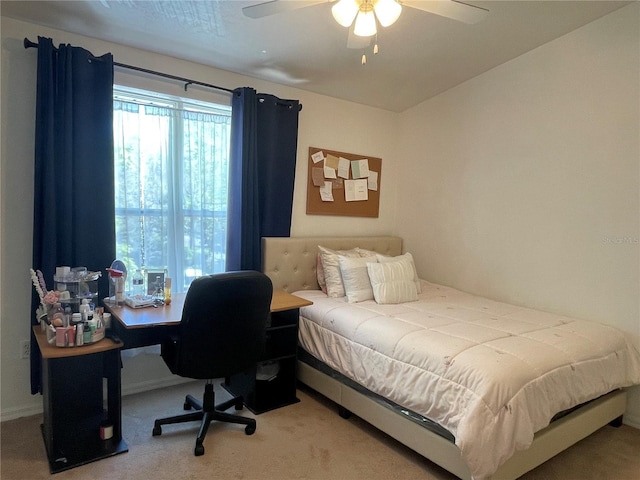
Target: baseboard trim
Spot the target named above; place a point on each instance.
(139, 387)
(14, 413)
(153, 385)
(632, 421)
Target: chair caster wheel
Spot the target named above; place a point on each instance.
(157, 430)
(199, 450)
(250, 429)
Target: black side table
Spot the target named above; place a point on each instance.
(73, 403)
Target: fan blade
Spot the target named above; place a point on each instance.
(453, 9)
(273, 7)
(355, 41)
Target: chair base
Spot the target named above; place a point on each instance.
(206, 412)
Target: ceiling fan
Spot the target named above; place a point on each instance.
(362, 16)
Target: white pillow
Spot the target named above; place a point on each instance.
(365, 253)
(392, 282)
(355, 278)
(331, 267)
(385, 258)
(320, 273)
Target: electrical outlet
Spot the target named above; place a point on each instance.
(25, 349)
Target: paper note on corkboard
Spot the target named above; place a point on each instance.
(340, 183)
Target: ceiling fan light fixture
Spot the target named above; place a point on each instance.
(365, 24)
(387, 11)
(345, 11)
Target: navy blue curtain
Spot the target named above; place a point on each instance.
(264, 141)
(74, 205)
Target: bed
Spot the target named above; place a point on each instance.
(491, 438)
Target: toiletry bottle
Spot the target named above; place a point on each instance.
(120, 290)
(84, 309)
(79, 335)
(86, 333)
(167, 291)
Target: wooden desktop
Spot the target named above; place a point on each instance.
(170, 315)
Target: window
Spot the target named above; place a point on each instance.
(171, 171)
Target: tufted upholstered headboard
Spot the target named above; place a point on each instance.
(290, 262)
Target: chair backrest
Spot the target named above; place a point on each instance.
(223, 325)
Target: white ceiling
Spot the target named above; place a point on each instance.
(420, 56)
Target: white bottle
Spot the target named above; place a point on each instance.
(138, 283)
(84, 309)
(79, 335)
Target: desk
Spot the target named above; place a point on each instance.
(151, 325)
(139, 327)
(72, 389)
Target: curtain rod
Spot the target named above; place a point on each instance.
(29, 44)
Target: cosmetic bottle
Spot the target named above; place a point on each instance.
(79, 335)
(167, 291)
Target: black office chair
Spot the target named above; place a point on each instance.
(222, 332)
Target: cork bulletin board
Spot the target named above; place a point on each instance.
(355, 190)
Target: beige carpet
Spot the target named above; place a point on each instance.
(307, 440)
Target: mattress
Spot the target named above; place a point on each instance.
(491, 373)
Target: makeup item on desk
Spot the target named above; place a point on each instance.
(84, 309)
(167, 291)
(60, 337)
(57, 315)
(65, 336)
(86, 333)
(79, 334)
(117, 279)
(119, 290)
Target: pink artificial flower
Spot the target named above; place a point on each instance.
(51, 297)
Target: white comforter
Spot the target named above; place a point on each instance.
(489, 372)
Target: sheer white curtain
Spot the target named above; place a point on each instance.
(171, 173)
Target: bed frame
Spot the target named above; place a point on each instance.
(291, 265)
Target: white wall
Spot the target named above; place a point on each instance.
(529, 179)
(324, 122)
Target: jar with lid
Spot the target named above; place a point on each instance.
(56, 315)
